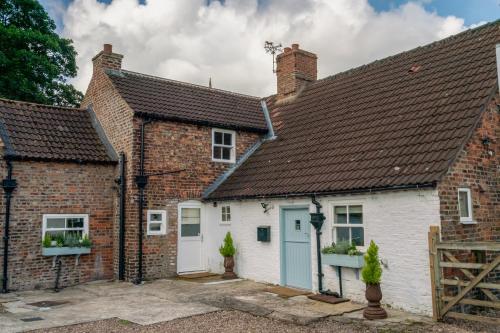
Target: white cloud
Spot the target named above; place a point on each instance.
(190, 41)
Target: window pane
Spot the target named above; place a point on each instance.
(358, 236)
(218, 138)
(340, 214)
(463, 201)
(355, 215)
(155, 217)
(228, 139)
(190, 212)
(226, 153)
(189, 230)
(75, 222)
(342, 234)
(56, 223)
(155, 226)
(218, 153)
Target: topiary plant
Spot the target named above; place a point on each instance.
(227, 249)
(372, 271)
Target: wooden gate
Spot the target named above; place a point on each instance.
(459, 282)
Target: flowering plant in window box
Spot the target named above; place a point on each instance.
(61, 244)
(343, 254)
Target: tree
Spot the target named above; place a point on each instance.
(35, 62)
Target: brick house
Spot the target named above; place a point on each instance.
(387, 149)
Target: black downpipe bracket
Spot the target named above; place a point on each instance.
(141, 180)
(121, 247)
(9, 185)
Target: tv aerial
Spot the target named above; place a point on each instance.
(272, 48)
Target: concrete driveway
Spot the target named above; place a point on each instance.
(166, 300)
(150, 303)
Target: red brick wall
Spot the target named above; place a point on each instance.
(173, 146)
(55, 188)
(478, 170)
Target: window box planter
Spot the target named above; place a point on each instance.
(343, 260)
(64, 251)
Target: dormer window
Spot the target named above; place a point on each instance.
(223, 145)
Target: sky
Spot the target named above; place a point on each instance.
(194, 40)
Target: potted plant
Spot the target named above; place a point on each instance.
(371, 275)
(227, 250)
(342, 254)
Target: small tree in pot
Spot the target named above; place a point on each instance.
(227, 250)
(371, 275)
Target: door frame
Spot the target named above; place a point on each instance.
(282, 241)
(191, 204)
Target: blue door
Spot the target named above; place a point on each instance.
(296, 248)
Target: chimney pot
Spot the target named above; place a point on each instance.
(288, 50)
(108, 48)
(295, 46)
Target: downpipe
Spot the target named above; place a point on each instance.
(141, 180)
(317, 220)
(121, 246)
(9, 185)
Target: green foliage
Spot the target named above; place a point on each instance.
(47, 240)
(85, 241)
(35, 62)
(372, 271)
(72, 240)
(342, 248)
(227, 249)
(59, 240)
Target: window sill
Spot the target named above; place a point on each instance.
(468, 222)
(223, 161)
(225, 223)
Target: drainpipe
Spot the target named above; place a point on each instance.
(141, 180)
(121, 248)
(9, 185)
(317, 220)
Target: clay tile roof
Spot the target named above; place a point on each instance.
(393, 123)
(173, 100)
(41, 132)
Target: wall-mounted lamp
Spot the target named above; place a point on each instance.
(486, 144)
(215, 203)
(266, 206)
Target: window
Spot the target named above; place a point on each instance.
(65, 224)
(157, 222)
(465, 205)
(226, 214)
(190, 222)
(348, 224)
(223, 146)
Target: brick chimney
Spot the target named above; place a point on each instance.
(106, 59)
(295, 68)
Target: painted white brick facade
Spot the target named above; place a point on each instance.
(397, 221)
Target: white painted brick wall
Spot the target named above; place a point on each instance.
(397, 221)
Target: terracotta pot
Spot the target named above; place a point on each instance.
(373, 295)
(229, 266)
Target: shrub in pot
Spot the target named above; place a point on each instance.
(227, 250)
(371, 275)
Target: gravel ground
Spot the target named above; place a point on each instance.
(235, 321)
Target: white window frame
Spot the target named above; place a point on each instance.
(468, 219)
(348, 225)
(232, 146)
(222, 214)
(163, 222)
(66, 216)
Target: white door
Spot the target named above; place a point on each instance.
(190, 238)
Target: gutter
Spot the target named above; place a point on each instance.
(269, 136)
(308, 194)
(9, 185)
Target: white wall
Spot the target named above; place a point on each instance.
(397, 221)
